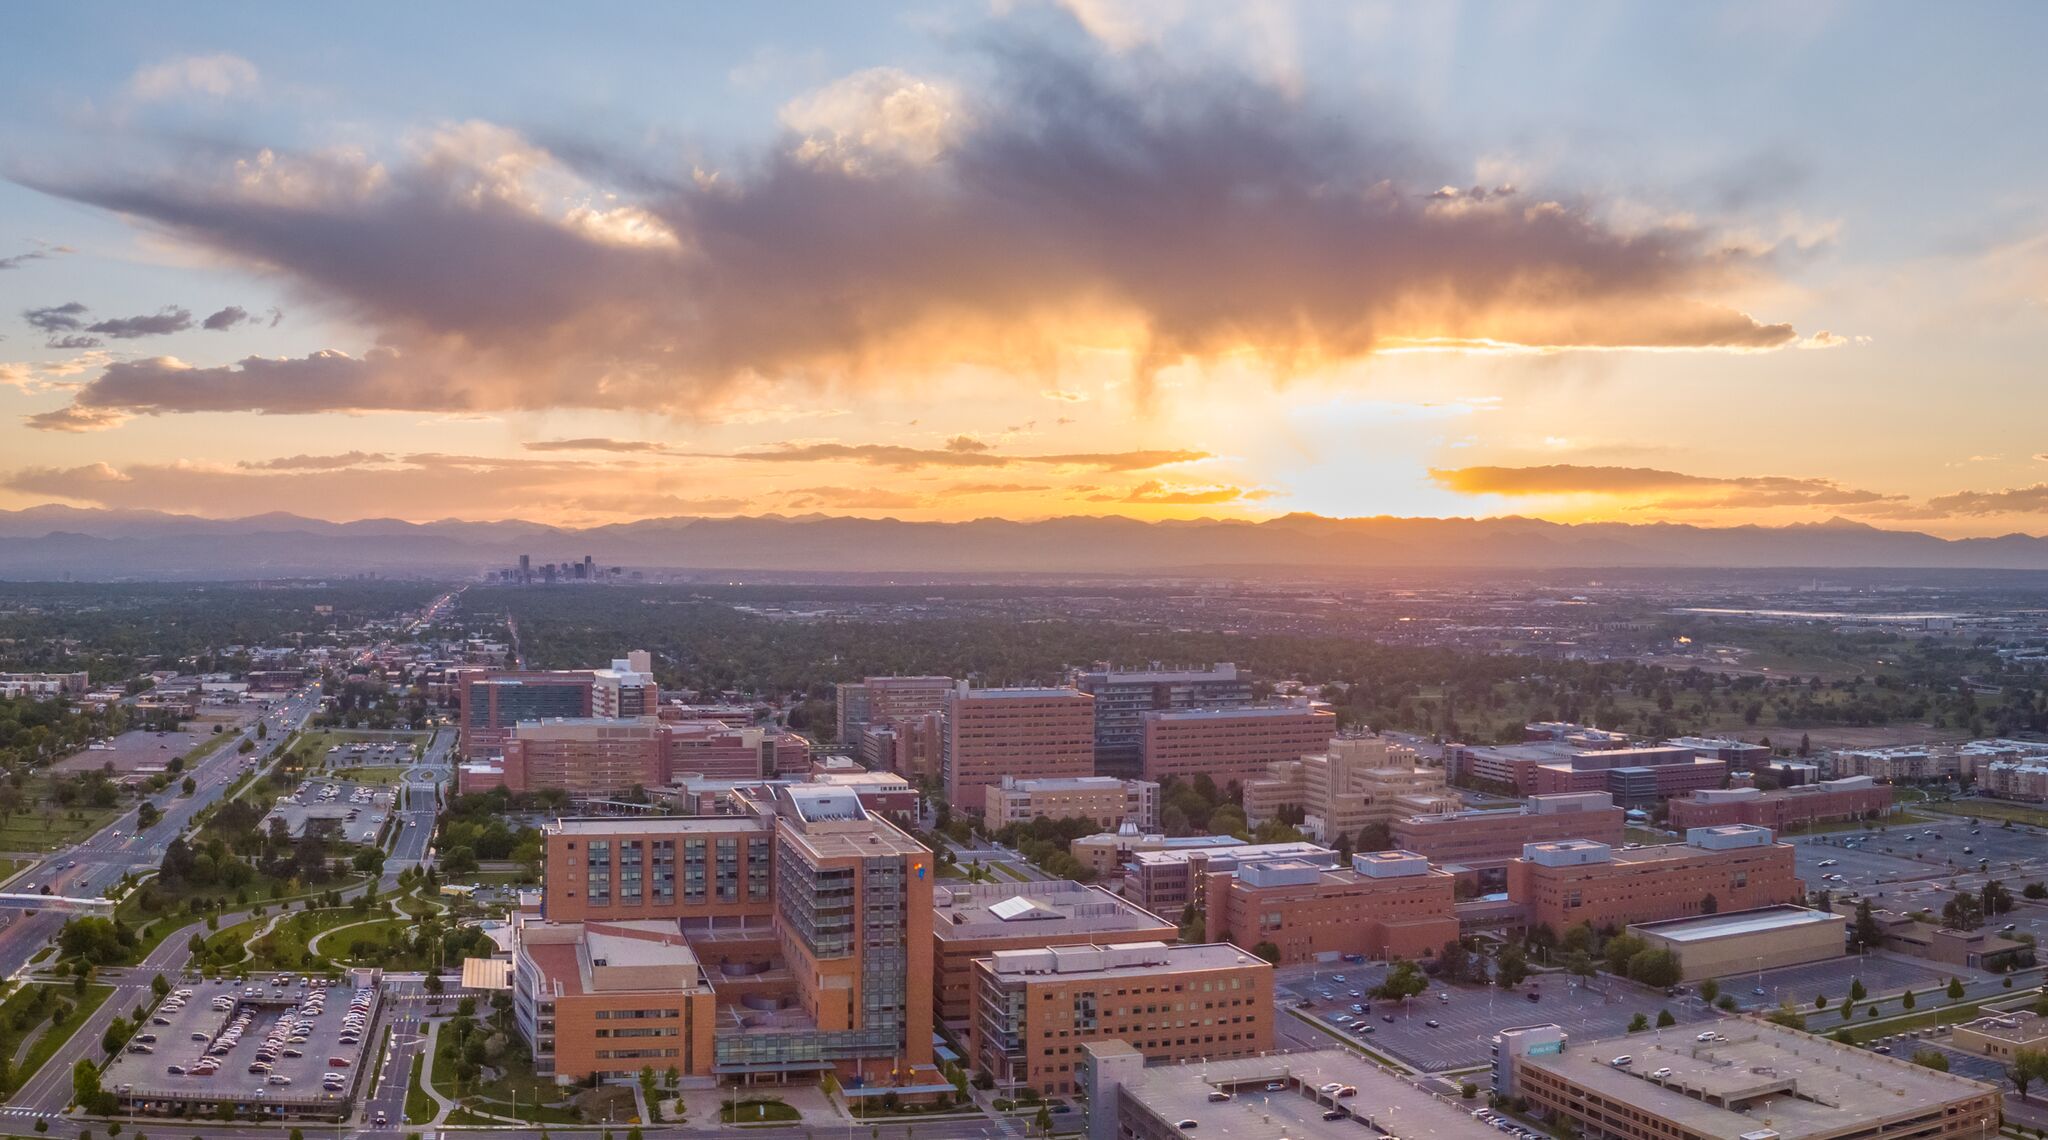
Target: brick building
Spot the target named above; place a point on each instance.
(974, 920)
(1486, 840)
(1569, 882)
(1030, 734)
(1231, 744)
(1831, 801)
(1034, 1009)
(1108, 801)
(1387, 903)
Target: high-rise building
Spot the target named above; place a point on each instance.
(1124, 696)
(885, 700)
(490, 701)
(792, 937)
(1035, 1009)
(1027, 733)
(627, 688)
(1230, 745)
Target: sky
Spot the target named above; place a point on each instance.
(1718, 264)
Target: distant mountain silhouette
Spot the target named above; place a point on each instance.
(51, 541)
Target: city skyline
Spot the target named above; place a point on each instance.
(1718, 265)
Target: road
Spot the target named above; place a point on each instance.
(97, 862)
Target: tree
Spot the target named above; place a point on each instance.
(1710, 904)
(2028, 1066)
(1665, 1020)
(1454, 962)
(1043, 1122)
(1512, 968)
(1962, 912)
(1995, 898)
(1709, 990)
(1932, 1059)
(2035, 891)
(1375, 837)
(159, 986)
(1867, 934)
(1659, 968)
(1638, 1023)
(1620, 949)
(1856, 990)
(1907, 999)
(1820, 1001)
(1786, 1016)
(1955, 986)
(1268, 951)
(1403, 981)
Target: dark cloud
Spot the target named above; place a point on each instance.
(226, 319)
(160, 323)
(1666, 489)
(1077, 198)
(74, 340)
(68, 317)
(324, 381)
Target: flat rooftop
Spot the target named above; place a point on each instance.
(1240, 851)
(1063, 784)
(1254, 711)
(186, 1033)
(1707, 927)
(1762, 1076)
(1143, 958)
(1396, 1108)
(650, 825)
(1018, 694)
(964, 913)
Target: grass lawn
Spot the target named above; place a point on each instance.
(384, 935)
(286, 947)
(1993, 810)
(1896, 819)
(755, 1110)
(419, 1107)
(51, 1036)
(375, 774)
(54, 827)
(1922, 1019)
(515, 1092)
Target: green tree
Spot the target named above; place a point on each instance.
(1638, 1023)
(1709, 990)
(1867, 934)
(2028, 1066)
(1268, 951)
(1932, 1059)
(1955, 986)
(1511, 969)
(1404, 980)
(1786, 1016)
(1665, 1020)
(1856, 990)
(1659, 968)
(1907, 999)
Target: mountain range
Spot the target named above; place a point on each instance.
(54, 542)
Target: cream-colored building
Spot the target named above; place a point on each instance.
(1360, 780)
(1108, 801)
(2001, 1035)
(1717, 945)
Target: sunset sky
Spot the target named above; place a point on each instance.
(1720, 264)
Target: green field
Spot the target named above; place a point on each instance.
(1992, 810)
(419, 1107)
(376, 774)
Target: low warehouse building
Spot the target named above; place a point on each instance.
(1717, 945)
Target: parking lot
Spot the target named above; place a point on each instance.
(207, 1041)
(1467, 1022)
(1880, 974)
(142, 751)
(1877, 863)
(354, 812)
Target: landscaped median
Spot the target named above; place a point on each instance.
(50, 1012)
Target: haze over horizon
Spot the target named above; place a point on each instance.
(1707, 265)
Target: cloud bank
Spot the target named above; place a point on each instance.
(1076, 200)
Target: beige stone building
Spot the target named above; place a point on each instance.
(1359, 780)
